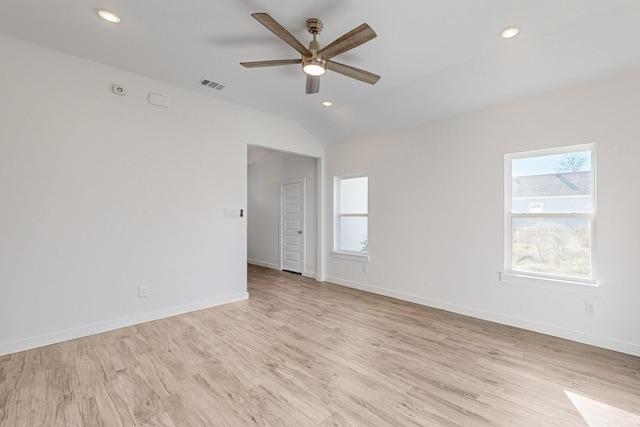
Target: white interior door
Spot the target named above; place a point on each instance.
(292, 239)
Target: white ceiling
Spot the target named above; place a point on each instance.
(436, 58)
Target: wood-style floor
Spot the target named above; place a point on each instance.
(302, 353)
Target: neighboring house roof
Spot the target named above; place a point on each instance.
(552, 185)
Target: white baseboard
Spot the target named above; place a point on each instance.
(96, 328)
(263, 264)
(310, 275)
(543, 328)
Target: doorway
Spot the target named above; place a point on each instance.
(272, 242)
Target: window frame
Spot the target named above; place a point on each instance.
(337, 215)
(554, 281)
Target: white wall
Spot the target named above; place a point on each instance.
(436, 212)
(101, 194)
(263, 222)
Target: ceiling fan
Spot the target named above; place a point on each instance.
(315, 61)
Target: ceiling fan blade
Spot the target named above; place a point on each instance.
(353, 38)
(277, 29)
(353, 72)
(313, 84)
(275, 62)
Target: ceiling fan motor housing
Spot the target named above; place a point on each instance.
(314, 25)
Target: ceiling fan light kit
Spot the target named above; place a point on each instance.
(315, 61)
(313, 67)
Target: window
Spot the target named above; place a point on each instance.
(550, 214)
(351, 214)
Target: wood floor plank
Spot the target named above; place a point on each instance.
(304, 353)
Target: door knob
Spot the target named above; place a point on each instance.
(299, 231)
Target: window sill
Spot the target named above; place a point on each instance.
(552, 284)
(351, 256)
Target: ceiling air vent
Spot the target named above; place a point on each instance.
(212, 84)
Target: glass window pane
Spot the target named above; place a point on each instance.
(353, 234)
(559, 183)
(552, 163)
(353, 195)
(552, 246)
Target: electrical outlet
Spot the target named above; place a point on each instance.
(365, 268)
(590, 307)
(143, 291)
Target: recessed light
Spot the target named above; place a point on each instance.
(509, 33)
(327, 103)
(109, 16)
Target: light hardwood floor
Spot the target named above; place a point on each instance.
(303, 353)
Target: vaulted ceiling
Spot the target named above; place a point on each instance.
(436, 58)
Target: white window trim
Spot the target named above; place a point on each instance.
(551, 283)
(351, 256)
(337, 252)
(548, 281)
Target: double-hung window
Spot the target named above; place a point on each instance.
(351, 214)
(550, 214)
